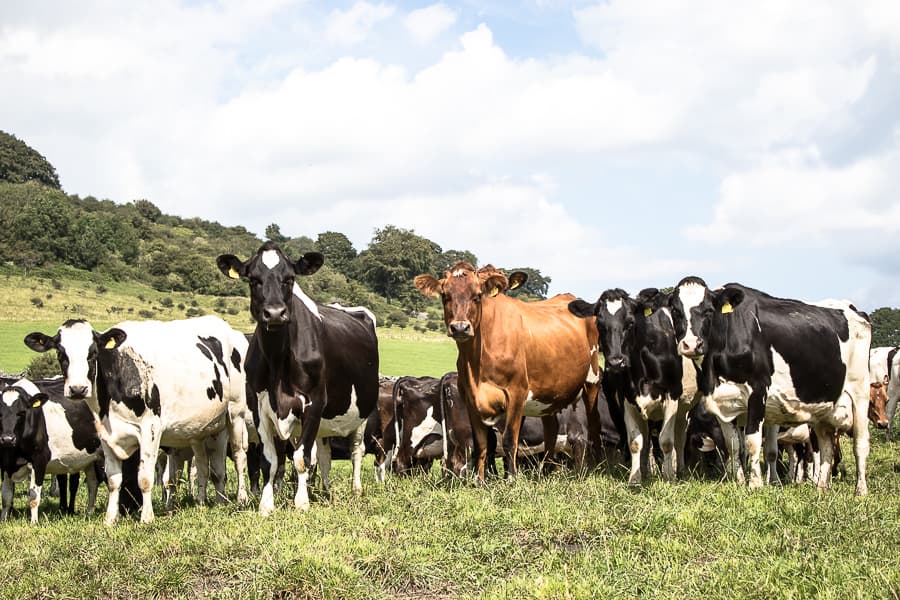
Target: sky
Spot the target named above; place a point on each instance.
(624, 143)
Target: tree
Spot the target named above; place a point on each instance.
(394, 257)
(885, 327)
(273, 232)
(148, 210)
(19, 163)
(338, 250)
(447, 259)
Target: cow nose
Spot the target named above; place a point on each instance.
(881, 425)
(276, 314)
(78, 391)
(7, 439)
(460, 329)
(616, 362)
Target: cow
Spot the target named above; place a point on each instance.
(51, 435)
(880, 377)
(514, 358)
(318, 364)
(783, 362)
(644, 377)
(418, 422)
(152, 383)
(380, 428)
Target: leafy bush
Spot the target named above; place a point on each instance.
(43, 366)
(146, 314)
(396, 317)
(37, 302)
(194, 312)
(166, 302)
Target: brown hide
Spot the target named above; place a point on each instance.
(878, 404)
(509, 349)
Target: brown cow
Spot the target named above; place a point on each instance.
(515, 358)
(878, 399)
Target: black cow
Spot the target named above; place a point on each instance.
(644, 377)
(778, 360)
(418, 422)
(319, 365)
(52, 434)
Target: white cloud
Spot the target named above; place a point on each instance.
(426, 24)
(351, 26)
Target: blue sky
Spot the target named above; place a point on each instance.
(610, 144)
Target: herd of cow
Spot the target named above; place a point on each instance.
(674, 375)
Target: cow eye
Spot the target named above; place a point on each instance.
(476, 298)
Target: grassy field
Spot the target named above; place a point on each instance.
(561, 536)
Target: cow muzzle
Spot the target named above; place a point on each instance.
(274, 317)
(616, 363)
(460, 330)
(78, 392)
(691, 348)
(7, 440)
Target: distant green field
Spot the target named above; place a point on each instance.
(398, 356)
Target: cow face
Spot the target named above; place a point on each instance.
(878, 403)
(271, 276)
(614, 316)
(691, 304)
(418, 429)
(18, 411)
(462, 290)
(76, 345)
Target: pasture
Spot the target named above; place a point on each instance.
(561, 536)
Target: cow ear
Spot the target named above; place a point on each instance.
(309, 263)
(39, 399)
(428, 285)
(110, 339)
(727, 299)
(40, 342)
(494, 283)
(582, 309)
(648, 301)
(231, 266)
(517, 279)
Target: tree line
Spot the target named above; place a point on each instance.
(50, 231)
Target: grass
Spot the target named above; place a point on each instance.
(561, 536)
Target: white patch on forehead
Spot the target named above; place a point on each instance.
(271, 259)
(28, 386)
(691, 295)
(428, 426)
(10, 397)
(307, 301)
(76, 340)
(459, 273)
(613, 306)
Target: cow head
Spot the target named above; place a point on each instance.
(271, 276)
(417, 424)
(76, 344)
(614, 315)
(462, 290)
(878, 403)
(18, 410)
(694, 307)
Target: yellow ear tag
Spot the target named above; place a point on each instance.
(233, 274)
(110, 344)
(648, 311)
(36, 404)
(494, 292)
(726, 308)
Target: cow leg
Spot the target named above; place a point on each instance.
(302, 457)
(270, 459)
(59, 484)
(511, 436)
(8, 489)
(772, 453)
(34, 491)
(323, 461)
(74, 480)
(861, 443)
(169, 480)
(667, 437)
(681, 425)
(638, 442)
(113, 468)
(732, 443)
(254, 451)
(201, 462)
(90, 476)
(149, 452)
(893, 395)
(217, 466)
(551, 431)
(357, 450)
(826, 454)
(239, 439)
(590, 397)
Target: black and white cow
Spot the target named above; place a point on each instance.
(418, 422)
(53, 435)
(319, 365)
(158, 383)
(779, 361)
(644, 377)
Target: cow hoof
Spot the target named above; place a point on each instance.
(265, 511)
(862, 490)
(304, 506)
(243, 498)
